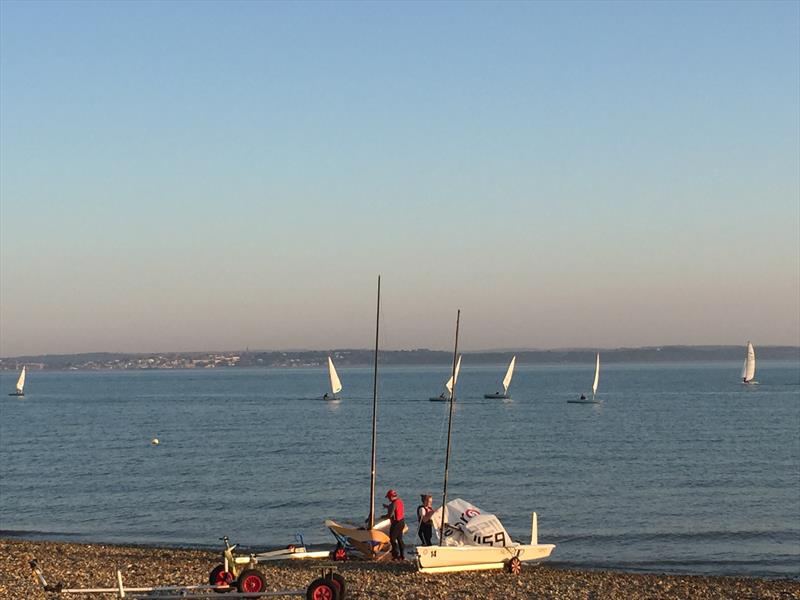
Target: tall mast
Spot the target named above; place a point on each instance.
(449, 430)
(374, 413)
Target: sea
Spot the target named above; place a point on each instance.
(680, 468)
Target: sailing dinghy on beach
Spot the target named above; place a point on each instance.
(20, 384)
(749, 366)
(475, 541)
(372, 540)
(583, 399)
(506, 382)
(468, 539)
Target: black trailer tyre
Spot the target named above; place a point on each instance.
(251, 581)
(220, 577)
(338, 581)
(514, 566)
(322, 589)
(340, 554)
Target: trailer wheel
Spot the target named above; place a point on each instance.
(322, 589)
(340, 554)
(251, 581)
(514, 565)
(338, 581)
(220, 577)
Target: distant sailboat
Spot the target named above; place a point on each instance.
(506, 382)
(336, 384)
(20, 384)
(449, 385)
(583, 399)
(749, 366)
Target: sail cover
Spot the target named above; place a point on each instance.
(509, 373)
(466, 525)
(336, 385)
(449, 384)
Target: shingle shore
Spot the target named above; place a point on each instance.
(93, 565)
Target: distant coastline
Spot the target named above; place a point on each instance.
(103, 361)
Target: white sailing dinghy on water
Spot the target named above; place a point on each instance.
(371, 541)
(449, 385)
(749, 366)
(583, 399)
(506, 382)
(20, 384)
(336, 384)
(468, 539)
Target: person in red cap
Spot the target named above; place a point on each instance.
(396, 516)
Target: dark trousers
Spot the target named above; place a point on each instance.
(426, 533)
(396, 538)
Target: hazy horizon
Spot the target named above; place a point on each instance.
(446, 350)
(230, 175)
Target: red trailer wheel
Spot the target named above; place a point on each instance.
(220, 577)
(322, 589)
(251, 581)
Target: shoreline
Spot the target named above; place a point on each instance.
(92, 565)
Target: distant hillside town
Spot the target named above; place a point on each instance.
(344, 357)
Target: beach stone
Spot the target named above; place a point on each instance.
(94, 565)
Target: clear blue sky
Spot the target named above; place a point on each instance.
(181, 175)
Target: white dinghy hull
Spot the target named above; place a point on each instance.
(446, 559)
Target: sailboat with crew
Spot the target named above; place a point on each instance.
(583, 399)
(449, 385)
(506, 382)
(19, 391)
(470, 540)
(749, 366)
(371, 540)
(336, 384)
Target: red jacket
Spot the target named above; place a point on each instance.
(396, 510)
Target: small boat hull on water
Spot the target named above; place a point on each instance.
(506, 382)
(586, 401)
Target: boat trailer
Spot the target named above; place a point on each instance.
(240, 569)
(329, 586)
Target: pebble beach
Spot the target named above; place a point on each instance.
(93, 565)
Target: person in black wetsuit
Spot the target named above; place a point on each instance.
(396, 515)
(424, 515)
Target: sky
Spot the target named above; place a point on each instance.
(192, 176)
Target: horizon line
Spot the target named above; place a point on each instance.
(480, 351)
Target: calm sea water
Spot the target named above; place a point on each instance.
(681, 468)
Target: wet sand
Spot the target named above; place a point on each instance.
(93, 565)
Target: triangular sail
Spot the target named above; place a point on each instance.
(749, 369)
(336, 385)
(509, 373)
(21, 380)
(596, 375)
(449, 384)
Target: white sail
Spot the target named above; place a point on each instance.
(336, 385)
(509, 373)
(449, 384)
(749, 368)
(21, 380)
(596, 375)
